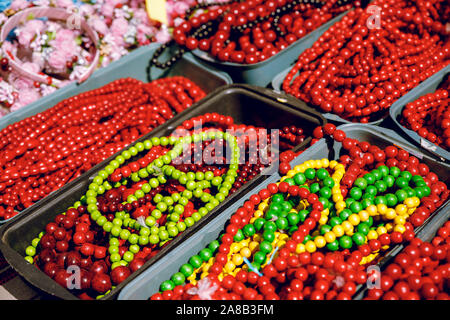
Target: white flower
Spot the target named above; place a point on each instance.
(6, 92)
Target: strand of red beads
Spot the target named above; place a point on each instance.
(42, 153)
(253, 30)
(429, 116)
(357, 72)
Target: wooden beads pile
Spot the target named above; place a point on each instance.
(42, 153)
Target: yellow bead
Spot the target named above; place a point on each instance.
(381, 208)
(257, 237)
(340, 205)
(284, 236)
(291, 174)
(252, 220)
(347, 226)
(372, 210)
(401, 209)
(253, 245)
(338, 231)
(315, 233)
(381, 230)
(330, 236)
(258, 214)
(363, 215)
(390, 214)
(411, 202)
(317, 164)
(204, 275)
(229, 267)
(300, 248)
(354, 219)
(338, 197)
(310, 246)
(302, 168)
(399, 220)
(400, 228)
(235, 247)
(325, 163)
(237, 259)
(246, 252)
(333, 164)
(320, 242)
(372, 235)
(263, 206)
(323, 220)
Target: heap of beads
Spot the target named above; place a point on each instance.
(278, 243)
(358, 72)
(420, 271)
(135, 206)
(251, 31)
(42, 153)
(429, 116)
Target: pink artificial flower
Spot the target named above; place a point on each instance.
(119, 27)
(141, 15)
(144, 32)
(31, 67)
(99, 25)
(57, 60)
(108, 10)
(3, 18)
(26, 97)
(64, 3)
(17, 5)
(180, 7)
(163, 36)
(34, 26)
(25, 37)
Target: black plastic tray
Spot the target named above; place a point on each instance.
(246, 104)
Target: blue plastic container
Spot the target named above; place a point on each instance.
(148, 282)
(428, 86)
(262, 73)
(134, 65)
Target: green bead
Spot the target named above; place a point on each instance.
(269, 236)
(128, 256)
(380, 200)
(259, 223)
(391, 200)
(178, 278)
(282, 223)
(335, 221)
(366, 202)
(356, 207)
(389, 180)
(363, 228)
(173, 231)
(310, 173)
(196, 261)
(214, 245)
(205, 254)
(406, 175)
(153, 239)
(377, 174)
(401, 183)
(299, 179)
(384, 170)
(361, 183)
(259, 257)
(371, 190)
(345, 242)
(239, 236)
(394, 171)
(35, 242)
(322, 173)
(290, 181)
(358, 238)
(167, 285)
(324, 229)
(328, 182)
(115, 257)
(270, 226)
(249, 230)
(345, 214)
(107, 227)
(265, 247)
(187, 270)
(356, 193)
(314, 188)
(370, 179)
(381, 186)
(302, 214)
(124, 234)
(410, 192)
(401, 195)
(30, 251)
(325, 192)
(293, 219)
(333, 246)
(29, 259)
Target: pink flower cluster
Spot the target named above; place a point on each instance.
(123, 25)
